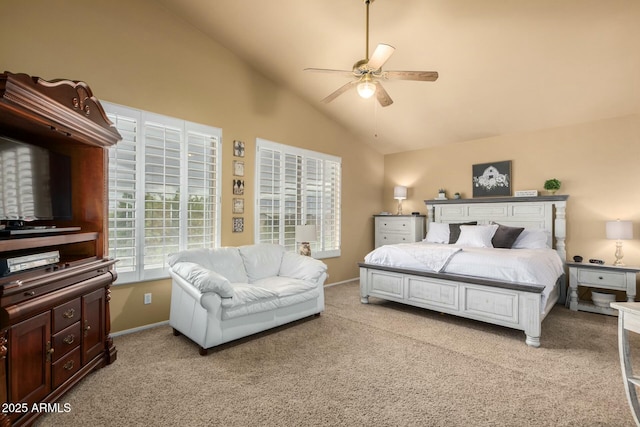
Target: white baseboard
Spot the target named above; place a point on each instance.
(139, 328)
(342, 282)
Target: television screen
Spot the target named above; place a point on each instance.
(35, 183)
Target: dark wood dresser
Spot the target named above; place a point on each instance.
(54, 318)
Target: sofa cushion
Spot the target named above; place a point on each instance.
(284, 286)
(224, 261)
(261, 260)
(301, 267)
(203, 279)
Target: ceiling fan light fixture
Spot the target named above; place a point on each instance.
(366, 88)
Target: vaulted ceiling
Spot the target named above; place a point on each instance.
(505, 66)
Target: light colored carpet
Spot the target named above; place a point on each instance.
(381, 364)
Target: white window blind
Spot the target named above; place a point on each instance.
(297, 187)
(164, 188)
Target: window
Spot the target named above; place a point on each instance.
(297, 187)
(164, 188)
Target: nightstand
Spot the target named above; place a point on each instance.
(598, 276)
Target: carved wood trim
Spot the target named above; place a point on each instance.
(66, 106)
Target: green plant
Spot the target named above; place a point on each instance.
(552, 184)
(442, 190)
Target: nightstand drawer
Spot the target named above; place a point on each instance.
(605, 279)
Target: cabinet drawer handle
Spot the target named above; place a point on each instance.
(69, 313)
(69, 339)
(600, 277)
(50, 351)
(69, 365)
(29, 294)
(87, 328)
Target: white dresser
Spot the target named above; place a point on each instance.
(391, 229)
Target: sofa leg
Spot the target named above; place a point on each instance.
(176, 333)
(317, 315)
(203, 351)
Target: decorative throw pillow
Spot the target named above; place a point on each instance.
(203, 279)
(531, 239)
(506, 236)
(438, 233)
(454, 231)
(478, 236)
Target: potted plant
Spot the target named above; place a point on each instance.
(456, 195)
(552, 185)
(442, 193)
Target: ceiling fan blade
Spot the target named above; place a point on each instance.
(339, 91)
(423, 76)
(382, 96)
(382, 53)
(326, 70)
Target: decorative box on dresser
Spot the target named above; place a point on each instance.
(54, 319)
(392, 229)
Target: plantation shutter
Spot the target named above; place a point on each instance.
(297, 187)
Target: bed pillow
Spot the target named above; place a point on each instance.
(454, 231)
(438, 233)
(531, 239)
(506, 236)
(476, 236)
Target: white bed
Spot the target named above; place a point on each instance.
(516, 289)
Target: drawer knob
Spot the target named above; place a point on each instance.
(600, 277)
(69, 313)
(69, 365)
(69, 339)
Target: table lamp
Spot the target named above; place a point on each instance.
(304, 235)
(619, 231)
(399, 193)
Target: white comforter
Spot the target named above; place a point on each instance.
(533, 266)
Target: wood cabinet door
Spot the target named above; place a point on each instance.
(93, 318)
(29, 361)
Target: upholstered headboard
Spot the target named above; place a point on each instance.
(542, 212)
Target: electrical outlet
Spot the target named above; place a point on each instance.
(147, 298)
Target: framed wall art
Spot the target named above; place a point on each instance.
(238, 148)
(238, 206)
(238, 224)
(238, 167)
(238, 187)
(492, 179)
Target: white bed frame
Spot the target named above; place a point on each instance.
(514, 305)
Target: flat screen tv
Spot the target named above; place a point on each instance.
(35, 183)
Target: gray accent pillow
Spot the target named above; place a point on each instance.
(454, 231)
(506, 236)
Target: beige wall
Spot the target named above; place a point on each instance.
(135, 53)
(598, 164)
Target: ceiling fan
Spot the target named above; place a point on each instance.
(368, 72)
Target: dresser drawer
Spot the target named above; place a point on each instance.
(66, 314)
(66, 340)
(393, 224)
(604, 279)
(64, 368)
(393, 238)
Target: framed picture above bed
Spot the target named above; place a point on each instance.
(492, 179)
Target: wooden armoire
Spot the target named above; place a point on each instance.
(54, 316)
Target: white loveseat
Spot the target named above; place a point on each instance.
(219, 295)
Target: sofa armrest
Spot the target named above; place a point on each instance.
(203, 279)
(301, 267)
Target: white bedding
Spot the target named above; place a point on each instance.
(532, 266)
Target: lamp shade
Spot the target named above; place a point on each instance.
(399, 192)
(619, 230)
(306, 233)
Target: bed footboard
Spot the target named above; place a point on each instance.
(517, 306)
